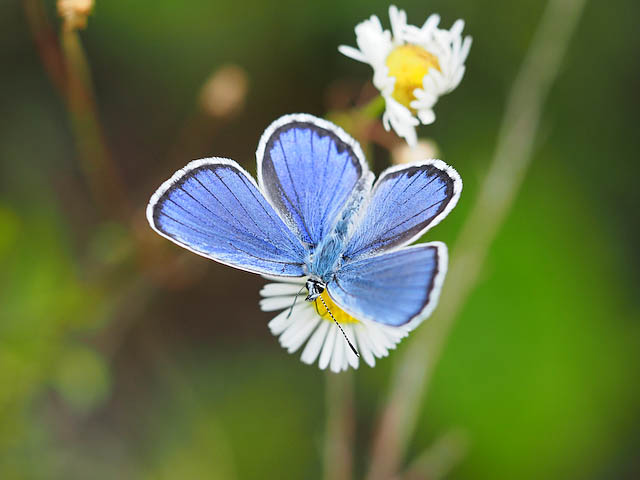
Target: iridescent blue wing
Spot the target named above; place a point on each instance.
(214, 208)
(399, 288)
(309, 169)
(405, 202)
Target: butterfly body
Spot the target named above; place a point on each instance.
(326, 258)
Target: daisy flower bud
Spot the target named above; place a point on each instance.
(412, 66)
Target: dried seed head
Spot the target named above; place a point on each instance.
(75, 13)
(423, 150)
(225, 91)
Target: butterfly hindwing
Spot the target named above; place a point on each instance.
(309, 169)
(214, 208)
(393, 288)
(405, 202)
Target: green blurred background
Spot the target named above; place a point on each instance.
(117, 364)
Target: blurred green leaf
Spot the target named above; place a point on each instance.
(82, 378)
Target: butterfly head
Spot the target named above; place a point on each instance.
(315, 287)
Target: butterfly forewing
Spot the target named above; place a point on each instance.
(309, 168)
(213, 208)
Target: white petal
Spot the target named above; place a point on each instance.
(379, 339)
(280, 322)
(408, 133)
(374, 42)
(464, 51)
(377, 343)
(457, 28)
(457, 79)
(338, 352)
(364, 346)
(352, 53)
(429, 85)
(401, 120)
(351, 357)
(387, 337)
(271, 304)
(383, 81)
(432, 22)
(398, 20)
(424, 98)
(426, 116)
(396, 333)
(376, 349)
(300, 320)
(327, 349)
(385, 121)
(302, 336)
(278, 289)
(294, 341)
(312, 349)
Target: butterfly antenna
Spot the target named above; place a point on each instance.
(294, 301)
(353, 349)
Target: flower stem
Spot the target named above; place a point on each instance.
(338, 448)
(67, 66)
(512, 158)
(97, 164)
(440, 458)
(374, 108)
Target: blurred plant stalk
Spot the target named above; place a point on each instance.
(524, 106)
(340, 421)
(67, 66)
(440, 458)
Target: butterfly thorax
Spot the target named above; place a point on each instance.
(325, 259)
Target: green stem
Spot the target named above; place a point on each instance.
(338, 448)
(374, 108)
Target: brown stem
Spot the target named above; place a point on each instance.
(66, 64)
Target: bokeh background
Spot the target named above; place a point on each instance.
(122, 358)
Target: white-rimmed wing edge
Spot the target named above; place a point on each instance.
(436, 289)
(438, 164)
(457, 190)
(186, 170)
(317, 158)
(305, 118)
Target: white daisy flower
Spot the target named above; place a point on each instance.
(412, 66)
(309, 324)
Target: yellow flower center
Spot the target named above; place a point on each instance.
(340, 315)
(409, 64)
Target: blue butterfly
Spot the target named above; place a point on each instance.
(315, 220)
